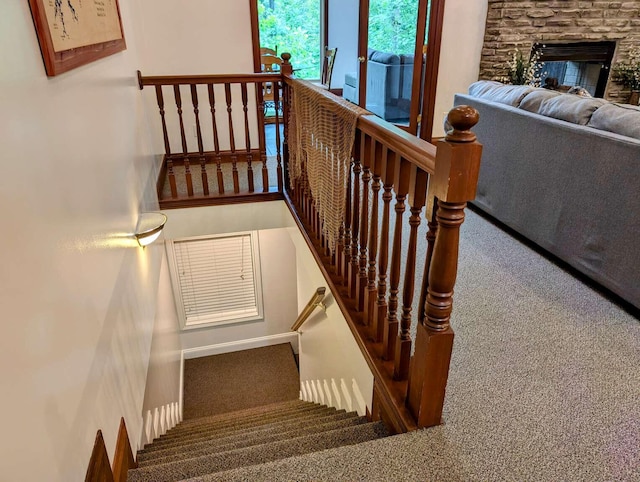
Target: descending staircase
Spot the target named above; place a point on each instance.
(211, 448)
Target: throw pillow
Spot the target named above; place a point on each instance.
(501, 93)
(533, 100)
(570, 108)
(623, 119)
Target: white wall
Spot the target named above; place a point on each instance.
(343, 33)
(197, 37)
(462, 40)
(327, 346)
(278, 267)
(77, 295)
(163, 376)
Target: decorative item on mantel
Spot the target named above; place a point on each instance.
(628, 74)
(523, 71)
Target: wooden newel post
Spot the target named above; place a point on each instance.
(286, 68)
(453, 184)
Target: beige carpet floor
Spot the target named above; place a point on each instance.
(235, 381)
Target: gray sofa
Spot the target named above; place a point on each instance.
(389, 79)
(564, 171)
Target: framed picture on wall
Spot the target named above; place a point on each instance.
(72, 33)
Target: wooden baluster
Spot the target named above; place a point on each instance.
(285, 143)
(216, 140)
(262, 144)
(361, 279)
(203, 163)
(346, 253)
(432, 223)
(371, 290)
(388, 161)
(417, 198)
(453, 183)
(167, 147)
(245, 108)
(185, 150)
(401, 184)
(276, 97)
(355, 231)
(247, 135)
(232, 141)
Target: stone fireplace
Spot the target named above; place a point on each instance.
(560, 28)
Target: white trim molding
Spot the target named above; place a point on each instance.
(240, 345)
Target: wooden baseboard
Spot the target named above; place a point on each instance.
(123, 459)
(99, 469)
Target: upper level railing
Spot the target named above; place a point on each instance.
(214, 138)
(392, 277)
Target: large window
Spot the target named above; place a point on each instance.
(392, 25)
(293, 26)
(216, 279)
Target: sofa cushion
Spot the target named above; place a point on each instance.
(570, 108)
(623, 119)
(406, 59)
(384, 58)
(498, 92)
(532, 101)
(351, 78)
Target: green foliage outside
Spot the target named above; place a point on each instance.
(392, 25)
(294, 26)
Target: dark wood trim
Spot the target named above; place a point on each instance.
(59, 62)
(99, 469)
(363, 45)
(197, 201)
(431, 71)
(123, 457)
(391, 393)
(207, 79)
(325, 25)
(255, 34)
(418, 62)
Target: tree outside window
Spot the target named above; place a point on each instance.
(293, 26)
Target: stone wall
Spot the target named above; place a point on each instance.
(521, 23)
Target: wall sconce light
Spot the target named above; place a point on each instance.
(149, 227)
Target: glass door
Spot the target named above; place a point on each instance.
(398, 69)
(389, 57)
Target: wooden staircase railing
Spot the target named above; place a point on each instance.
(374, 270)
(398, 306)
(214, 138)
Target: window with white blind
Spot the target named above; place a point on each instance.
(216, 279)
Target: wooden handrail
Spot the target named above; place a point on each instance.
(314, 302)
(382, 304)
(394, 182)
(224, 160)
(205, 79)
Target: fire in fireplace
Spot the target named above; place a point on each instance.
(583, 64)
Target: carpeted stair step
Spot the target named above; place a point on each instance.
(239, 420)
(217, 440)
(303, 419)
(271, 408)
(242, 440)
(273, 427)
(200, 466)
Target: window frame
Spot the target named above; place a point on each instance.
(176, 287)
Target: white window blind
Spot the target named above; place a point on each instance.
(216, 280)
